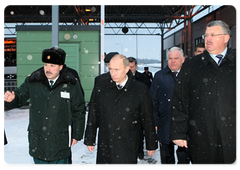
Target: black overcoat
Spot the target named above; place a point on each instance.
(142, 78)
(204, 104)
(119, 115)
(162, 92)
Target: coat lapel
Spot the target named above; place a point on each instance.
(124, 90)
(230, 58)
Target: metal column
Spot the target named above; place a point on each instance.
(102, 37)
(162, 52)
(55, 22)
(189, 48)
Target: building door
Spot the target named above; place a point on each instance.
(72, 55)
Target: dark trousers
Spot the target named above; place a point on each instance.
(167, 154)
(4, 138)
(141, 144)
(70, 158)
(60, 161)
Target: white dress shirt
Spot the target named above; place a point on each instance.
(215, 58)
(123, 83)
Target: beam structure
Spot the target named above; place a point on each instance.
(135, 17)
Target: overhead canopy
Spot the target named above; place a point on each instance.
(83, 15)
(165, 17)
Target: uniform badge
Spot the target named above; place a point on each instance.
(48, 57)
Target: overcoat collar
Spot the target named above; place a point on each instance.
(230, 58)
(65, 77)
(128, 84)
(167, 70)
(137, 75)
(126, 88)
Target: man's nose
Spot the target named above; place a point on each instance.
(47, 68)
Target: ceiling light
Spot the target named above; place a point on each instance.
(41, 12)
(87, 9)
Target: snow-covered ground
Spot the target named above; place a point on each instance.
(16, 151)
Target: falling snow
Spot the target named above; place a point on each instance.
(17, 151)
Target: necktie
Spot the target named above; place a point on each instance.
(51, 83)
(119, 86)
(176, 73)
(220, 57)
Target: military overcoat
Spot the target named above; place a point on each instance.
(56, 115)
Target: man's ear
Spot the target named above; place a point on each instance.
(127, 69)
(227, 38)
(183, 59)
(61, 67)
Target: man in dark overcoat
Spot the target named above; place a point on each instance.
(204, 103)
(119, 109)
(56, 113)
(137, 75)
(161, 92)
(149, 74)
(144, 79)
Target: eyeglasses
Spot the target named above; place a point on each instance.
(211, 35)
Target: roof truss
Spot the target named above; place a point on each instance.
(134, 17)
